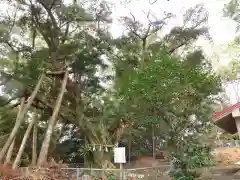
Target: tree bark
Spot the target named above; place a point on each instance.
(34, 145)
(20, 120)
(51, 123)
(23, 143)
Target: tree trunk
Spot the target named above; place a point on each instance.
(34, 145)
(20, 119)
(23, 143)
(9, 153)
(51, 123)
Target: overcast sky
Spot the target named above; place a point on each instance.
(222, 29)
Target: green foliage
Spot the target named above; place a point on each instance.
(7, 119)
(232, 10)
(176, 97)
(167, 84)
(228, 137)
(189, 157)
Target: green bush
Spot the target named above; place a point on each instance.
(187, 159)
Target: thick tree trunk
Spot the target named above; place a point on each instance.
(23, 143)
(34, 145)
(20, 119)
(9, 153)
(51, 123)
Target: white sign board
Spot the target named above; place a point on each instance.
(119, 155)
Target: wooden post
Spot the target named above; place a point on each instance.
(153, 142)
(237, 120)
(78, 174)
(121, 172)
(129, 148)
(236, 115)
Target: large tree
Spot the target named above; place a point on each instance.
(173, 96)
(63, 37)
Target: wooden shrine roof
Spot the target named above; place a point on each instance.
(225, 120)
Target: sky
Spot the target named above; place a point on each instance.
(222, 29)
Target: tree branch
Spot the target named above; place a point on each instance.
(40, 29)
(12, 77)
(46, 104)
(134, 29)
(10, 100)
(50, 14)
(153, 2)
(65, 33)
(57, 72)
(4, 82)
(176, 47)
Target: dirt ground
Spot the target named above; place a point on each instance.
(225, 169)
(227, 156)
(223, 157)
